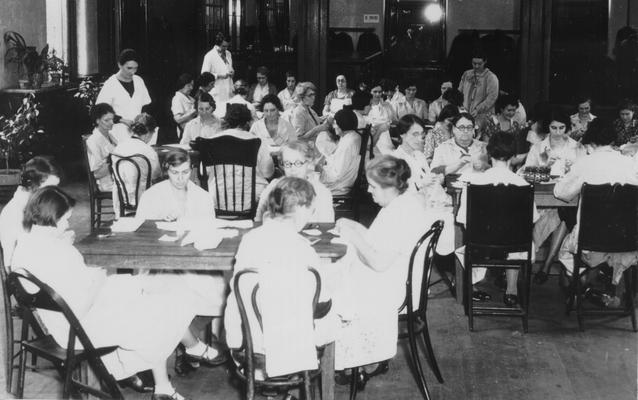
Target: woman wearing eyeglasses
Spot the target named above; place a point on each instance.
(338, 98)
(298, 160)
(462, 153)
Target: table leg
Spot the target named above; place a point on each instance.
(327, 365)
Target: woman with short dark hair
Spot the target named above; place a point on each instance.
(626, 125)
(125, 91)
(372, 287)
(38, 172)
(272, 129)
(143, 316)
(183, 104)
(206, 124)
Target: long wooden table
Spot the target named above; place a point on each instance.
(142, 249)
(543, 198)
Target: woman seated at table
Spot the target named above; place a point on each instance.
(38, 172)
(341, 158)
(557, 151)
(336, 99)
(461, 154)
(142, 131)
(182, 104)
(304, 119)
(298, 160)
(581, 119)
(441, 132)
(282, 256)
(272, 129)
(501, 149)
(626, 125)
(410, 104)
(380, 116)
(146, 316)
(100, 144)
(206, 124)
(176, 198)
(412, 131)
(204, 84)
(603, 165)
(372, 286)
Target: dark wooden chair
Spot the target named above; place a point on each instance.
(607, 224)
(129, 196)
(499, 221)
(233, 163)
(96, 196)
(249, 360)
(416, 318)
(68, 361)
(349, 203)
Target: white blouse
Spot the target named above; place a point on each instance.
(125, 105)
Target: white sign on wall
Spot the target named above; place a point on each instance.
(370, 18)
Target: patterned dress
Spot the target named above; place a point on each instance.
(626, 133)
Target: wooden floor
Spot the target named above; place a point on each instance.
(553, 361)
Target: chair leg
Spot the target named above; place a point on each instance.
(307, 386)
(353, 382)
(9, 354)
(445, 278)
(416, 361)
(430, 350)
(21, 373)
(630, 291)
(527, 284)
(468, 293)
(579, 296)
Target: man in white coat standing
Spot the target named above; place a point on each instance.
(219, 62)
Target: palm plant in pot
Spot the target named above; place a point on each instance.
(17, 135)
(20, 54)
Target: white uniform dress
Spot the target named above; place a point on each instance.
(125, 105)
(157, 202)
(369, 299)
(195, 128)
(285, 133)
(213, 63)
(324, 212)
(340, 170)
(98, 148)
(282, 256)
(449, 152)
(182, 105)
(146, 316)
(11, 222)
(603, 166)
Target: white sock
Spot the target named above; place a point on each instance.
(199, 349)
(165, 389)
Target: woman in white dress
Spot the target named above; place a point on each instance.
(375, 268)
(557, 151)
(145, 316)
(182, 104)
(272, 129)
(219, 62)
(298, 160)
(336, 99)
(282, 256)
(100, 144)
(38, 172)
(206, 125)
(124, 90)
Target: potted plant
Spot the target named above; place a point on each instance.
(56, 68)
(17, 133)
(19, 53)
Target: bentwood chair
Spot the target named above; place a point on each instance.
(96, 196)
(608, 224)
(68, 361)
(499, 221)
(233, 164)
(251, 361)
(416, 288)
(349, 203)
(132, 176)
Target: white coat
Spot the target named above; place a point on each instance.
(213, 63)
(126, 106)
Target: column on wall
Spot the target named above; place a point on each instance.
(536, 20)
(312, 37)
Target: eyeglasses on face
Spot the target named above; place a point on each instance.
(465, 128)
(288, 164)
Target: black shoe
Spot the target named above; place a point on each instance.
(183, 366)
(540, 278)
(363, 377)
(205, 358)
(479, 295)
(510, 300)
(136, 383)
(174, 396)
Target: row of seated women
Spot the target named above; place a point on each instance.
(366, 286)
